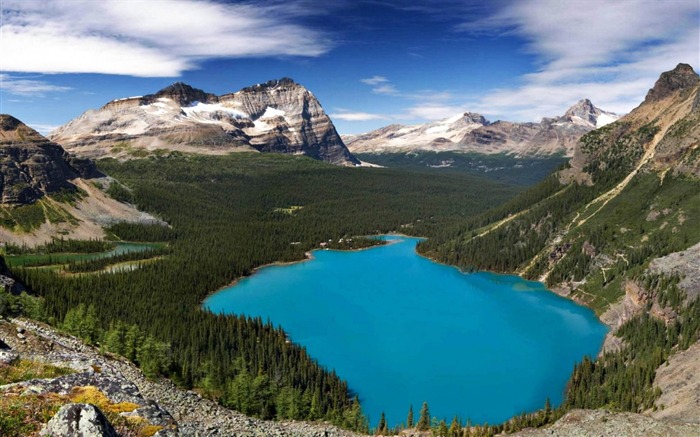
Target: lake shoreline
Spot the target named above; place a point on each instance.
(308, 256)
(369, 287)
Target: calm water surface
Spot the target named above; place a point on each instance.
(402, 330)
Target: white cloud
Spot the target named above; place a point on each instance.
(148, 39)
(381, 85)
(609, 51)
(386, 89)
(43, 129)
(358, 116)
(433, 112)
(27, 87)
(374, 80)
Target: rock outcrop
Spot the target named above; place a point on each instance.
(602, 423)
(681, 77)
(160, 403)
(470, 132)
(79, 420)
(32, 166)
(279, 116)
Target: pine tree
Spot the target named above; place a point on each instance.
(381, 428)
(424, 419)
(442, 429)
(455, 428)
(547, 408)
(409, 419)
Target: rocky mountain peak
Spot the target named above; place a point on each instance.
(583, 109)
(584, 112)
(32, 166)
(12, 131)
(681, 77)
(183, 94)
(475, 118)
(278, 116)
(284, 82)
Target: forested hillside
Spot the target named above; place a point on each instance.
(592, 232)
(230, 215)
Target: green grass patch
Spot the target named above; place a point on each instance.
(49, 259)
(23, 370)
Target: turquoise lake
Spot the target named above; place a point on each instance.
(402, 329)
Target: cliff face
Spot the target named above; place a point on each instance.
(279, 116)
(32, 166)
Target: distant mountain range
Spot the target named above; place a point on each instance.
(278, 116)
(282, 116)
(471, 132)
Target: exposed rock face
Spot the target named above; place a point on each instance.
(79, 420)
(278, 116)
(679, 382)
(681, 77)
(686, 264)
(602, 423)
(32, 166)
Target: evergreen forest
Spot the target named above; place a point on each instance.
(229, 215)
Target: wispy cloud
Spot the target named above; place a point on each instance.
(381, 85)
(432, 112)
(148, 39)
(608, 51)
(358, 116)
(374, 80)
(27, 87)
(43, 129)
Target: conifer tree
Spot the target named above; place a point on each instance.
(381, 427)
(455, 428)
(409, 419)
(424, 419)
(442, 429)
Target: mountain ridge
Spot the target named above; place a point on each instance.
(279, 116)
(472, 132)
(46, 191)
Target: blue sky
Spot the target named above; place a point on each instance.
(370, 62)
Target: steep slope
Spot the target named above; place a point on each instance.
(608, 232)
(279, 116)
(118, 386)
(45, 190)
(470, 132)
(32, 166)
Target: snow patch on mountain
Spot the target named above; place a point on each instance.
(606, 118)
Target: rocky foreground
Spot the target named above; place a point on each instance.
(166, 410)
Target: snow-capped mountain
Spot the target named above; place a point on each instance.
(586, 114)
(278, 116)
(470, 132)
